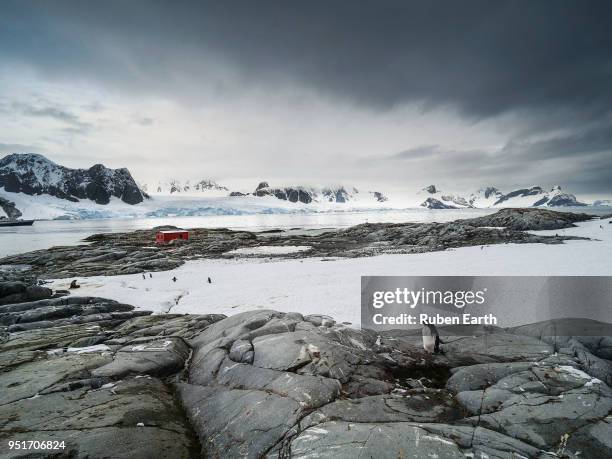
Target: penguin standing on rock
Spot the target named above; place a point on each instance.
(431, 339)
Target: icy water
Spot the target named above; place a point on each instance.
(45, 234)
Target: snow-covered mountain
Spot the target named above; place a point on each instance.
(33, 174)
(485, 197)
(430, 197)
(436, 199)
(537, 197)
(8, 209)
(492, 197)
(32, 186)
(307, 195)
(202, 187)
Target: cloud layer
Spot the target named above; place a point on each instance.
(467, 93)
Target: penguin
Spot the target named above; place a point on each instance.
(431, 339)
(174, 279)
(209, 280)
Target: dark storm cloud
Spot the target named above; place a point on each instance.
(547, 64)
(589, 141)
(525, 162)
(483, 57)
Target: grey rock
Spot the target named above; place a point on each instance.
(246, 423)
(433, 406)
(433, 203)
(542, 405)
(19, 292)
(593, 440)
(530, 219)
(483, 375)
(104, 422)
(159, 358)
(242, 351)
(36, 376)
(9, 208)
(503, 346)
(262, 383)
(337, 439)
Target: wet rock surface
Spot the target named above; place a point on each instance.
(111, 381)
(95, 374)
(331, 391)
(9, 209)
(136, 252)
(530, 219)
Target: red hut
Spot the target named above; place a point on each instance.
(163, 237)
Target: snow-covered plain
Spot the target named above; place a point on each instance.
(332, 286)
(270, 250)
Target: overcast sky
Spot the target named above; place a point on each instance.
(381, 94)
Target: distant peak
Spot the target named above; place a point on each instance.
(489, 191)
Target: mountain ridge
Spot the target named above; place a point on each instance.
(34, 174)
(491, 196)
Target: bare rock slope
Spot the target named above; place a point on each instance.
(112, 381)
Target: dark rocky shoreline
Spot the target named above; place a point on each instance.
(113, 381)
(135, 252)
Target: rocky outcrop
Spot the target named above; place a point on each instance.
(530, 219)
(436, 199)
(34, 174)
(9, 209)
(523, 192)
(433, 203)
(379, 196)
(19, 292)
(536, 196)
(307, 195)
(339, 194)
(103, 377)
(135, 252)
(565, 200)
(292, 194)
(96, 375)
(490, 196)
